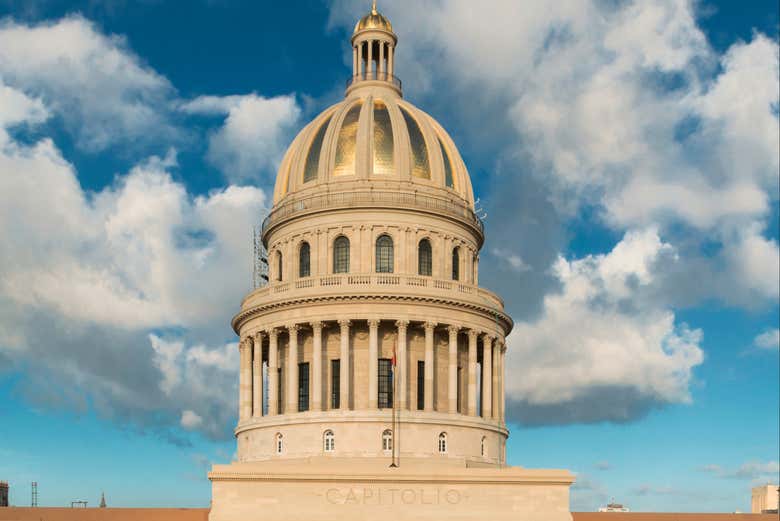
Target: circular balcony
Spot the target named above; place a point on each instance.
(379, 285)
(301, 206)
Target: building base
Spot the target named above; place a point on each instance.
(336, 489)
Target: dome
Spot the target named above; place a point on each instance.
(374, 139)
(374, 20)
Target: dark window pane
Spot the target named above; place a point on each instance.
(424, 258)
(304, 260)
(303, 386)
(385, 383)
(455, 264)
(384, 254)
(420, 385)
(341, 255)
(335, 384)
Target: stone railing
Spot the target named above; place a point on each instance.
(372, 199)
(378, 283)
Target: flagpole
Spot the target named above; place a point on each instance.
(394, 439)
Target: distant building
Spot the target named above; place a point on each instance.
(3, 493)
(764, 500)
(614, 507)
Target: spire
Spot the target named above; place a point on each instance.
(102, 500)
(373, 50)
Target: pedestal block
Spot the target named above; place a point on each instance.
(335, 489)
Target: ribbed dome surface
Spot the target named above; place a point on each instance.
(374, 20)
(376, 138)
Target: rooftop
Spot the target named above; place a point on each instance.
(201, 514)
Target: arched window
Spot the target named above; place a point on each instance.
(279, 443)
(483, 448)
(279, 265)
(443, 443)
(304, 260)
(341, 255)
(424, 258)
(384, 254)
(329, 441)
(455, 264)
(387, 440)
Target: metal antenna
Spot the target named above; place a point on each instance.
(34, 500)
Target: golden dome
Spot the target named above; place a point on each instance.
(376, 139)
(374, 20)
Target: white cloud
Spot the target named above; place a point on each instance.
(190, 420)
(624, 108)
(769, 339)
(103, 92)
(600, 350)
(255, 135)
(101, 269)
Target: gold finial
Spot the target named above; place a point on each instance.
(373, 7)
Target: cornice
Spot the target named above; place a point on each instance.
(278, 305)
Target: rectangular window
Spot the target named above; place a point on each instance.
(303, 386)
(420, 385)
(335, 384)
(385, 383)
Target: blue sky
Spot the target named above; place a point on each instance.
(626, 155)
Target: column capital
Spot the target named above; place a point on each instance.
(401, 324)
(429, 325)
(344, 323)
(454, 330)
(488, 337)
(373, 322)
(273, 332)
(293, 328)
(259, 335)
(316, 325)
(473, 334)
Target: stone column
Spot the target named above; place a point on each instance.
(354, 62)
(391, 51)
(472, 387)
(373, 357)
(370, 64)
(360, 61)
(257, 376)
(487, 380)
(292, 369)
(502, 387)
(495, 380)
(344, 365)
(382, 59)
(316, 378)
(273, 372)
(245, 379)
(429, 327)
(401, 362)
(452, 374)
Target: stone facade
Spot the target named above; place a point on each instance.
(372, 364)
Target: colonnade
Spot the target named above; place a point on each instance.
(252, 358)
(367, 66)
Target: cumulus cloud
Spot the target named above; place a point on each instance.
(103, 92)
(254, 136)
(599, 350)
(101, 269)
(769, 339)
(623, 110)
